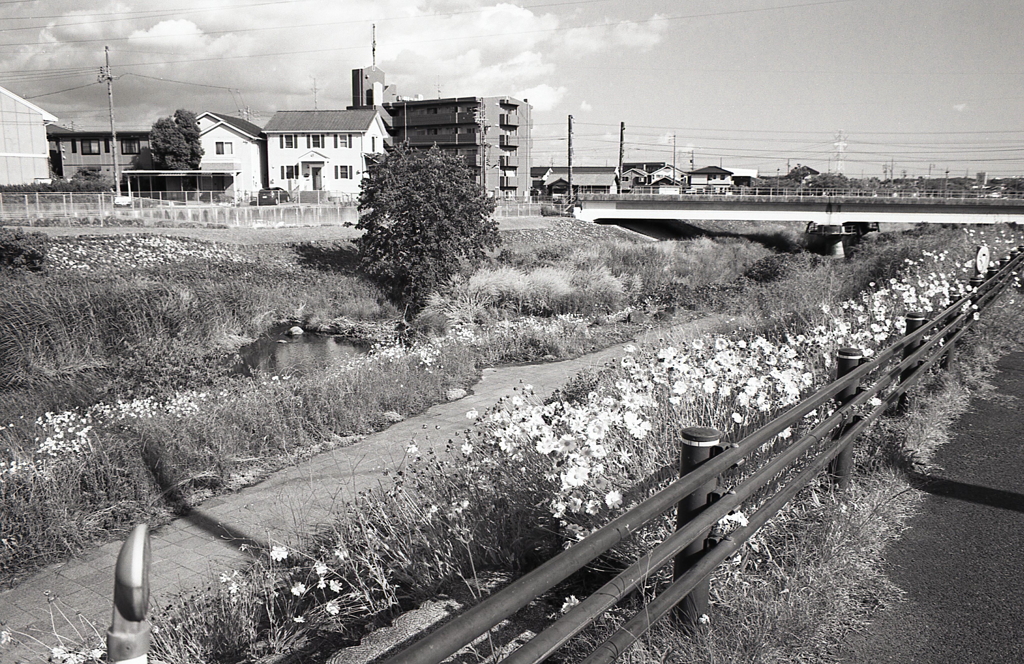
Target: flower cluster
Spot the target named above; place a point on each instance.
(98, 252)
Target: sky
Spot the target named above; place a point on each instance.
(853, 86)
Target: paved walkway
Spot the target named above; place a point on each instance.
(191, 550)
(962, 560)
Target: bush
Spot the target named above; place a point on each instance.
(21, 250)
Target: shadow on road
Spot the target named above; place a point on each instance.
(238, 539)
(971, 493)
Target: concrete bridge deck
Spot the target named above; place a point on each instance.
(822, 210)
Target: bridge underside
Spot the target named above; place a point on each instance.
(831, 213)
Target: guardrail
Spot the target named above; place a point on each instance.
(700, 504)
(789, 195)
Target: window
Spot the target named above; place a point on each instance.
(318, 140)
(224, 147)
(74, 147)
(106, 145)
(373, 144)
(287, 140)
(342, 172)
(342, 141)
(289, 172)
(90, 147)
(129, 146)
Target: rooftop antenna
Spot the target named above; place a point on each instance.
(373, 28)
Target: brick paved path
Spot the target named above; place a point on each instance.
(191, 550)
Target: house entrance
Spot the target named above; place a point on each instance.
(317, 179)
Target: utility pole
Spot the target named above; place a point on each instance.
(314, 93)
(105, 75)
(622, 150)
(481, 116)
(674, 158)
(570, 161)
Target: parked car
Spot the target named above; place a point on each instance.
(272, 196)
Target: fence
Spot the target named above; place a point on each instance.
(703, 461)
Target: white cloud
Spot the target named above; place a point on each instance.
(543, 97)
(960, 108)
(590, 39)
(585, 106)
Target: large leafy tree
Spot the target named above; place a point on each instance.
(174, 142)
(424, 218)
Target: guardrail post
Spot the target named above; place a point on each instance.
(915, 320)
(699, 443)
(129, 633)
(841, 467)
(993, 270)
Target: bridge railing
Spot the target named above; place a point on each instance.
(791, 195)
(862, 391)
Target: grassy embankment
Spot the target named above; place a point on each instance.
(535, 476)
(117, 406)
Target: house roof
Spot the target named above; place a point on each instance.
(711, 170)
(583, 179)
(47, 117)
(358, 119)
(241, 125)
(646, 166)
(64, 132)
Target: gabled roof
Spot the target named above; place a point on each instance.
(645, 166)
(47, 117)
(583, 179)
(711, 170)
(241, 125)
(564, 170)
(303, 121)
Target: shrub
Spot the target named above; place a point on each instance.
(21, 250)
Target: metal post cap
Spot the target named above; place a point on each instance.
(850, 353)
(701, 436)
(916, 315)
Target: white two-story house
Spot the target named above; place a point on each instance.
(236, 146)
(322, 150)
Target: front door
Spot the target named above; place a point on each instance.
(317, 180)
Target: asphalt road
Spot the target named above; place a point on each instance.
(962, 560)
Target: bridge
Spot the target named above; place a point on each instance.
(833, 215)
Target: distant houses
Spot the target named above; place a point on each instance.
(24, 152)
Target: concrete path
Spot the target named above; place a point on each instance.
(190, 551)
(962, 560)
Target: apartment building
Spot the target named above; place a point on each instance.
(492, 134)
(72, 151)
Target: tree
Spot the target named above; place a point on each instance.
(174, 142)
(827, 182)
(424, 219)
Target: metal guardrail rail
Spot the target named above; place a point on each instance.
(828, 445)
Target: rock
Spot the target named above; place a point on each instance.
(392, 416)
(295, 331)
(455, 394)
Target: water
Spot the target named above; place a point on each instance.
(278, 354)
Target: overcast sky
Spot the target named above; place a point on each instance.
(927, 85)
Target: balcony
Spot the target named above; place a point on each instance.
(444, 139)
(509, 161)
(432, 120)
(509, 141)
(506, 182)
(509, 120)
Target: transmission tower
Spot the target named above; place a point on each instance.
(839, 154)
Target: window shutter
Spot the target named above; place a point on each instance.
(282, 141)
(307, 141)
(335, 141)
